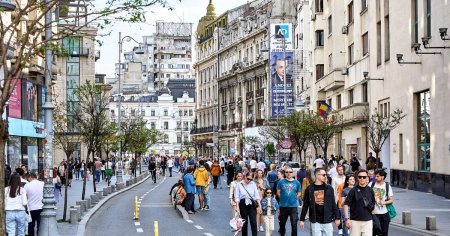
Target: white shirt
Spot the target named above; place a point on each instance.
(252, 164)
(319, 163)
(35, 194)
(337, 180)
(242, 192)
(209, 163)
(108, 165)
(222, 164)
(17, 203)
(380, 195)
(261, 165)
(269, 206)
(333, 172)
(170, 163)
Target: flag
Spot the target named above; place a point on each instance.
(324, 109)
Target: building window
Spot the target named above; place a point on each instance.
(428, 18)
(319, 5)
(350, 54)
(364, 5)
(400, 148)
(350, 13)
(319, 38)
(338, 101)
(166, 125)
(152, 113)
(191, 113)
(415, 22)
(319, 71)
(330, 25)
(153, 125)
(423, 130)
(350, 97)
(364, 92)
(365, 44)
(379, 43)
(387, 44)
(166, 113)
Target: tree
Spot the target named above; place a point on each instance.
(252, 141)
(142, 139)
(323, 130)
(92, 120)
(22, 30)
(379, 128)
(299, 130)
(66, 139)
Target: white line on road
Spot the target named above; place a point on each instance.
(198, 227)
(137, 223)
(209, 234)
(140, 230)
(190, 221)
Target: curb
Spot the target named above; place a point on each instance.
(182, 212)
(82, 224)
(423, 231)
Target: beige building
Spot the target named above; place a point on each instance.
(369, 55)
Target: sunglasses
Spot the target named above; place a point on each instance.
(288, 172)
(323, 175)
(268, 192)
(249, 178)
(362, 177)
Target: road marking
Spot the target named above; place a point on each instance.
(140, 230)
(209, 234)
(198, 227)
(190, 221)
(137, 223)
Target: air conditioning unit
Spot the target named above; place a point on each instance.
(344, 71)
(344, 29)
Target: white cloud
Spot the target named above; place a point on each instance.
(186, 10)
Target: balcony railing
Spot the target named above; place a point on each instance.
(249, 123)
(78, 52)
(202, 130)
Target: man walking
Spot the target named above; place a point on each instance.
(215, 172)
(34, 190)
(361, 201)
(170, 166)
(335, 183)
(152, 169)
(289, 191)
(383, 196)
(319, 200)
(98, 169)
(189, 187)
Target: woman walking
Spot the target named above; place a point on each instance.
(237, 181)
(247, 195)
(348, 185)
(15, 203)
(262, 184)
(269, 207)
(58, 185)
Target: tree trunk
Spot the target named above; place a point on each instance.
(3, 135)
(93, 172)
(65, 190)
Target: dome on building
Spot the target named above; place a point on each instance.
(209, 17)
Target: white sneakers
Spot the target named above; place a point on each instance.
(261, 228)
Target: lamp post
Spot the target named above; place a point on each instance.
(119, 178)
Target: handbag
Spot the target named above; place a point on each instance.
(391, 209)
(254, 202)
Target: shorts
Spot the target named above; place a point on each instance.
(200, 190)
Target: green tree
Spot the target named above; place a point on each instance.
(252, 141)
(379, 128)
(299, 130)
(324, 129)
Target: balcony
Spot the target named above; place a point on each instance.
(249, 95)
(202, 130)
(260, 93)
(259, 122)
(78, 52)
(355, 113)
(331, 81)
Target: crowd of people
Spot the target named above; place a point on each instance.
(328, 192)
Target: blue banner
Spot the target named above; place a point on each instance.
(282, 83)
(25, 128)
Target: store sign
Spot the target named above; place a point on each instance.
(26, 128)
(15, 101)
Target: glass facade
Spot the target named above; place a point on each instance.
(423, 131)
(72, 80)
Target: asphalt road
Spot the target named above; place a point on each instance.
(116, 216)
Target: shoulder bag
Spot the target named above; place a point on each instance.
(254, 202)
(391, 209)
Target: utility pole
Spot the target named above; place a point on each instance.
(48, 216)
(120, 166)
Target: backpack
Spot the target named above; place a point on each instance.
(179, 196)
(215, 170)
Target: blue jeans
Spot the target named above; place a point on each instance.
(321, 229)
(344, 227)
(16, 222)
(207, 198)
(97, 175)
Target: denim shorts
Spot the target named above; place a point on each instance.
(200, 190)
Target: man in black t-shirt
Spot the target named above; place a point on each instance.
(361, 201)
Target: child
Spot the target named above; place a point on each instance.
(269, 207)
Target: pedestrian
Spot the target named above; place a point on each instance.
(127, 166)
(189, 186)
(62, 172)
(361, 201)
(152, 169)
(280, 176)
(261, 165)
(354, 163)
(170, 165)
(306, 182)
(21, 173)
(222, 166)
(269, 207)
(289, 191)
(247, 196)
(15, 203)
(108, 170)
(319, 200)
(201, 180)
(98, 170)
(207, 187)
(301, 173)
(58, 185)
(253, 164)
(163, 166)
(69, 173)
(34, 190)
(348, 185)
(103, 169)
(230, 172)
(371, 176)
(272, 175)
(7, 174)
(383, 196)
(233, 184)
(319, 163)
(216, 170)
(338, 180)
(262, 184)
(371, 162)
(82, 169)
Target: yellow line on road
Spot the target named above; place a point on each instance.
(155, 228)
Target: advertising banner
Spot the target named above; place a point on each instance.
(30, 101)
(281, 34)
(282, 83)
(15, 101)
(25, 128)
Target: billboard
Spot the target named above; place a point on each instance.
(281, 34)
(15, 101)
(30, 101)
(282, 83)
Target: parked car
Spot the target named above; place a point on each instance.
(294, 165)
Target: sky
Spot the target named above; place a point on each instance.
(188, 11)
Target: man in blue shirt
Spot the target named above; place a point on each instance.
(189, 187)
(289, 190)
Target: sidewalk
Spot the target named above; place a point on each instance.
(421, 205)
(73, 195)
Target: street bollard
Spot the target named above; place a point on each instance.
(94, 199)
(105, 191)
(82, 205)
(136, 208)
(73, 216)
(78, 210)
(87, 203)
(406, 217)
(113, 188)
(100, 195)
(155, 230)
(430, 222)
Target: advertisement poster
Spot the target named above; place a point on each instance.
(281, 36)
(15, 101)
(32, 150)
(281, 76)
(30, 101)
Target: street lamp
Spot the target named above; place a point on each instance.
(128, 38)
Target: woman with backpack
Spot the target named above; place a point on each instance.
(216, 170)
(15, 203)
